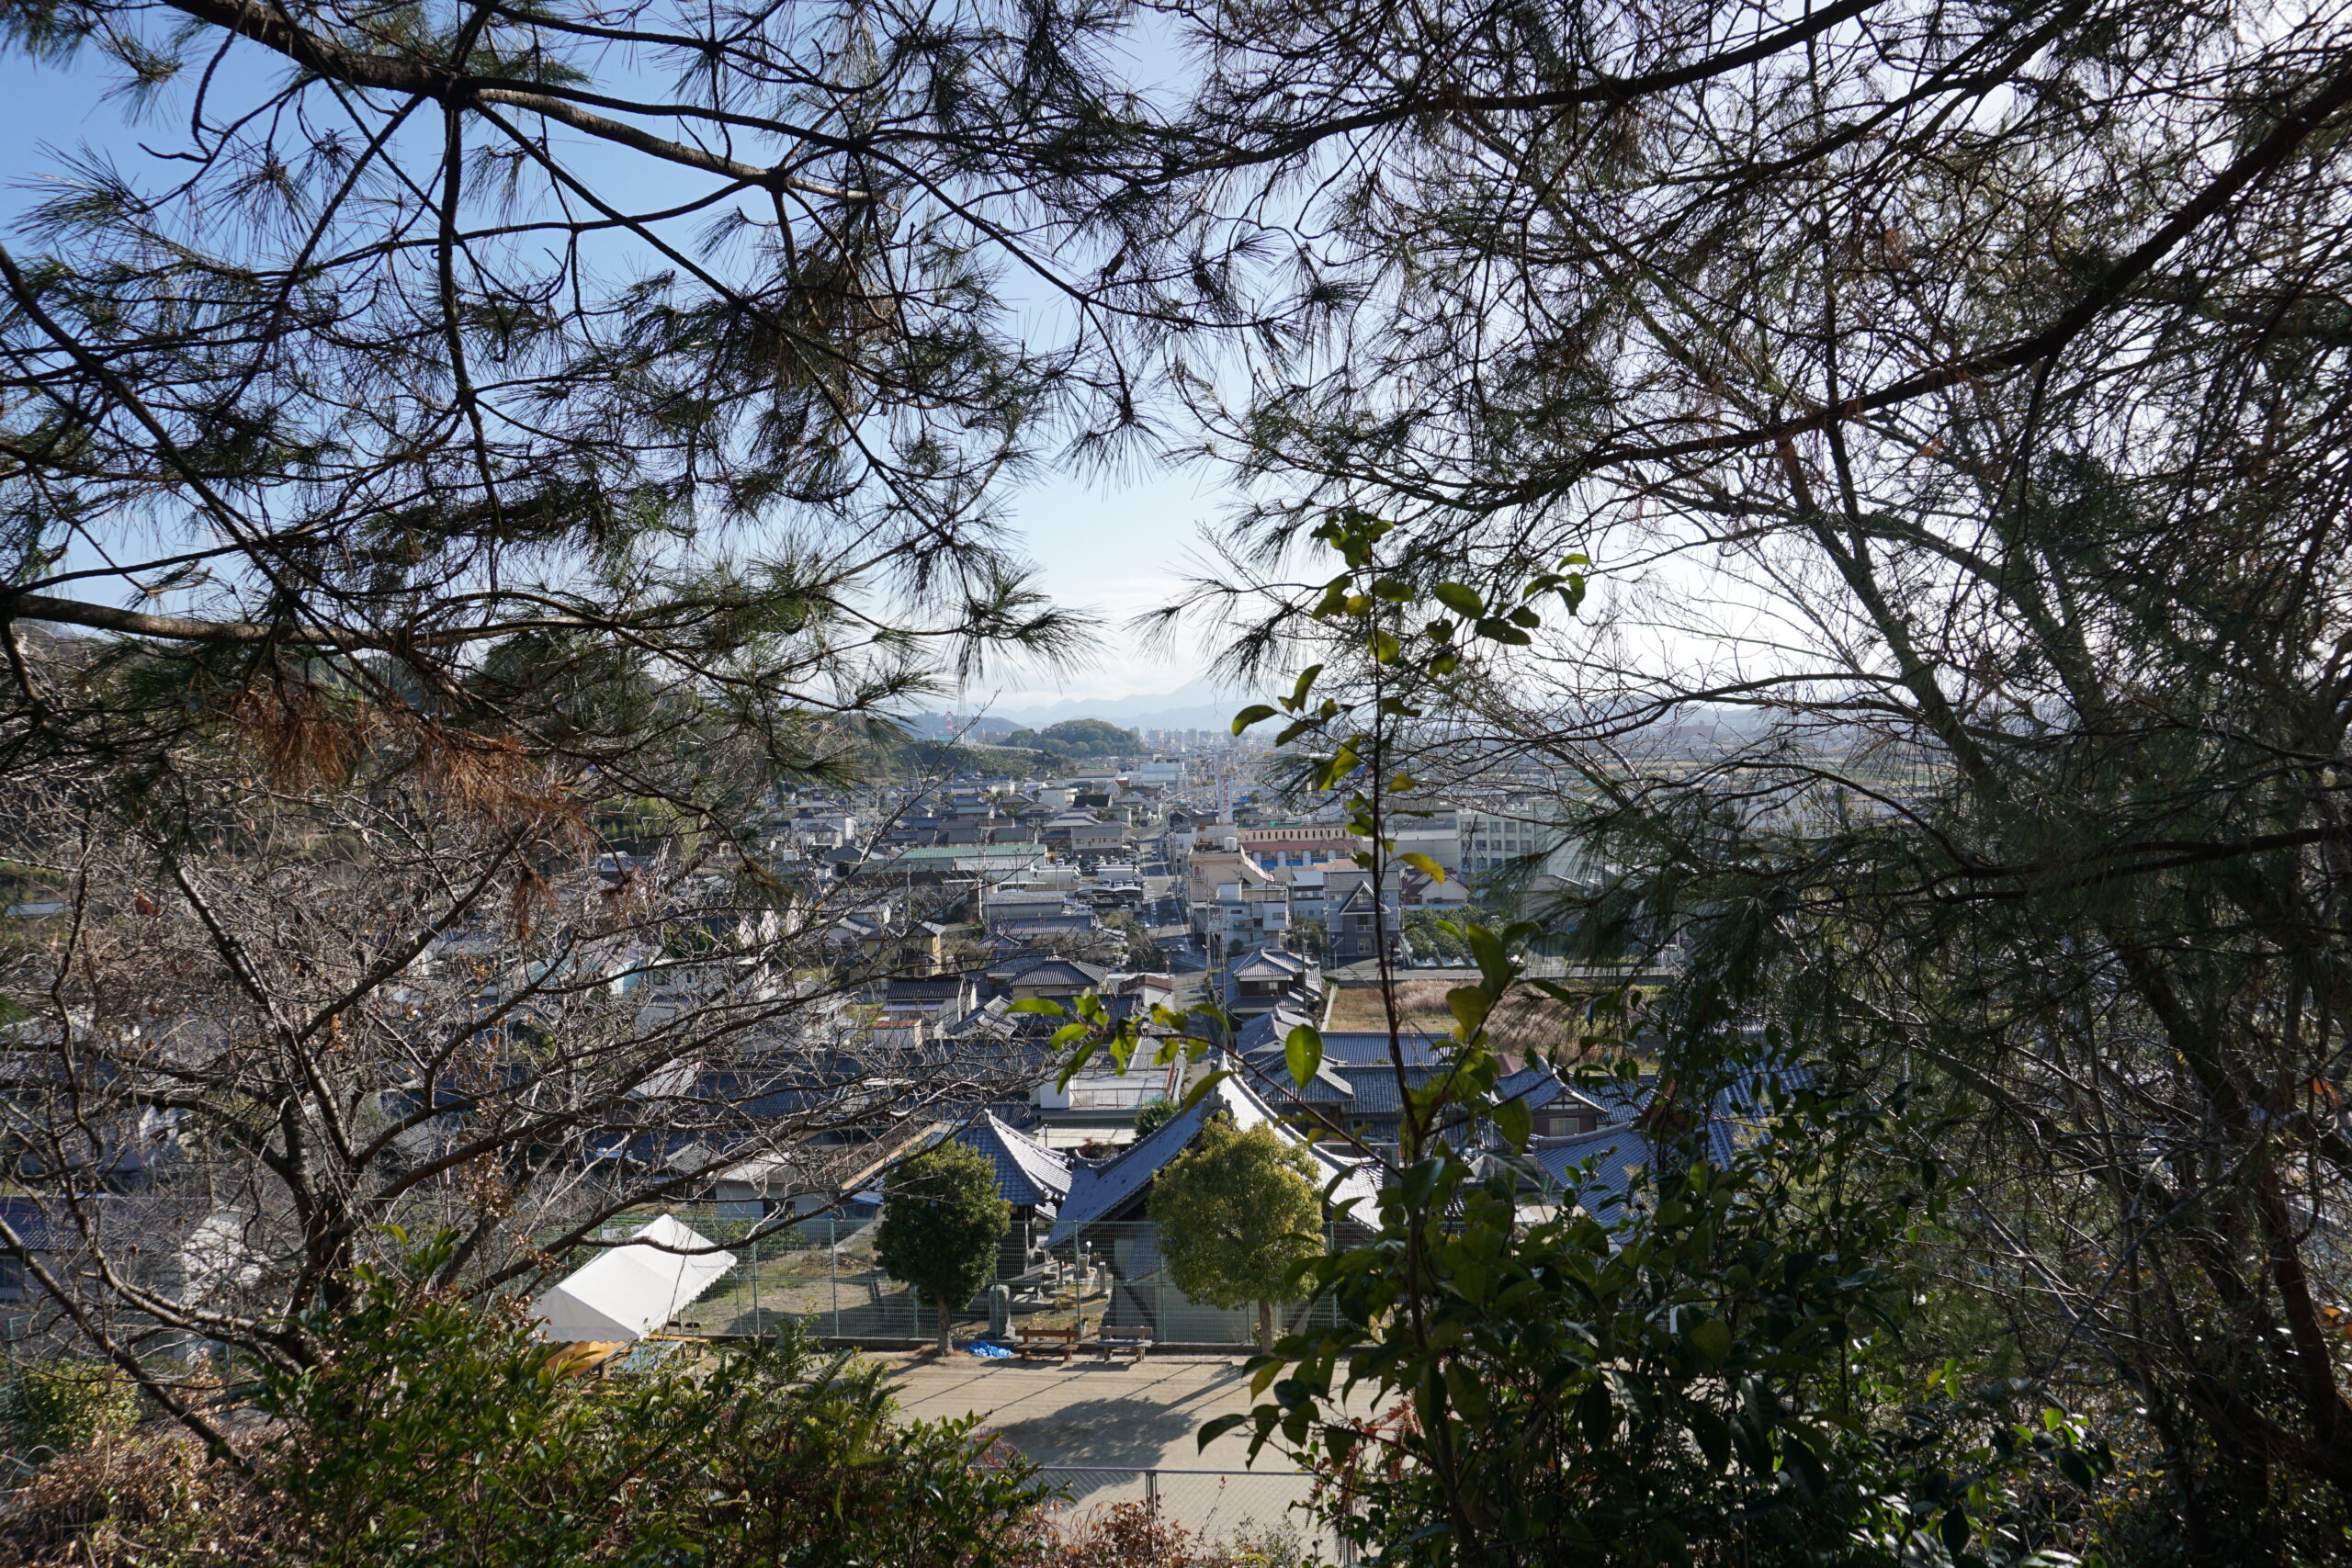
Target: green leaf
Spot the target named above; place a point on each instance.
(1496, 630)
(1460, 598)
(1250, 716)
(1469, 1005)
(1711, 1432)
(1593, 1410)
(1954, 1532)
(1804, 1465)
(1515, 1122)
(1424, 865)
(1199, 1091)
(1493, 958)
(1211, 1431)
(1306, 684)
(1076, 1064)
(1711, 1338)
(1304, 1051)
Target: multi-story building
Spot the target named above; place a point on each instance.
(1243, 916)
(1501, 837)
(1284, 850)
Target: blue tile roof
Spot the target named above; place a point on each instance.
(1363, 1048)
(1097, 1192)
(1026, 1171)
(1374, 1091)
(1616, 1154)
(34, 1226)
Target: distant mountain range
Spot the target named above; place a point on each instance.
(1199, 705)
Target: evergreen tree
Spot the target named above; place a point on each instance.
(1234, 1212)
(941, 1224)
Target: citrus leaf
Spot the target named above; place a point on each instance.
(1211, 1431)
(1460, 598)
(1304, 1051)
(1199, 1091)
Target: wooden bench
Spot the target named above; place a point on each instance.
(582, 1356)
(1132, 1342)
(1046, 1341)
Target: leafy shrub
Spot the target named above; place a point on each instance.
(424, 1431)
(63, 1407)
(1136, 1535)
(111, 1504)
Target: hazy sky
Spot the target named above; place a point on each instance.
(1116, 551)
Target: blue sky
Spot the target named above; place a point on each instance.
(1113, 546)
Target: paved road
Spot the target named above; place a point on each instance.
(1111, 1421)
(1090, 1413)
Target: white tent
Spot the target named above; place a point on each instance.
(627, 1292)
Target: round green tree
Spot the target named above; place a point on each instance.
(1234, 1212)
(941, 1224)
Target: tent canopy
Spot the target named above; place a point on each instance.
(627, 1292)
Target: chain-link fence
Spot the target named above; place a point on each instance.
(1105, 1282)
(1260, 1512)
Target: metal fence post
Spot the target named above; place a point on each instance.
(1151, 1490)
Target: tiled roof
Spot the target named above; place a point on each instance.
(1541, 1087)
(1269, 963)
(1271, 1068)
(1269, 1029)
(1616, 1154)
(1062, 969)
(1026, 1171)
(1372, 1089)
(1365, 1048)
(1097, 1192)
(33, 1224)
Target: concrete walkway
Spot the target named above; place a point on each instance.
(1112, 1421)
(1123, 1415)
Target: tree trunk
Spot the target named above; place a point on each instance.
(946, 1328)
(1266, 1326)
